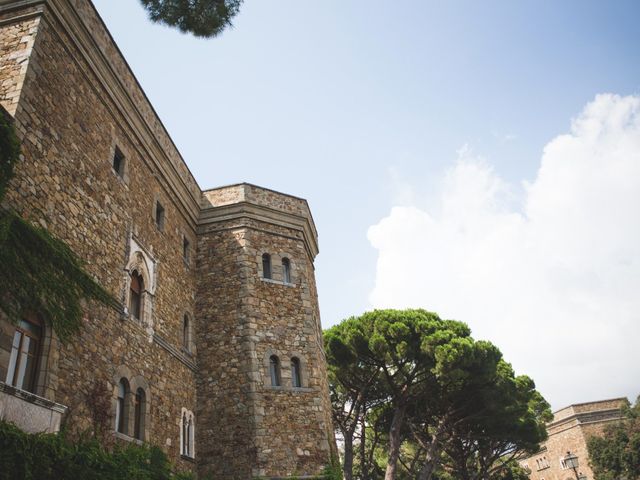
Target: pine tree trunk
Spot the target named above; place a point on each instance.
(364, 467)
(432, 452)
(429, 466)
(395, 440)
(347, 467)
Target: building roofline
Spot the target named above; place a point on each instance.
(590, 403)
(238, 184)
(144, 94)
(17, 4)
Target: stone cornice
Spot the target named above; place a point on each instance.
(584, 418)
(8, 5)
(186, 361)
(34, 9)
(251, 211)
(32, 398)
(265, 189)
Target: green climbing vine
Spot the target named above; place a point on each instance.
(49, 456)
(38, 272)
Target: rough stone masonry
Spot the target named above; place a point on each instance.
(100, 172)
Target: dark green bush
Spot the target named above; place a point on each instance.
(55, 457)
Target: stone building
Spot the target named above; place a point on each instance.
(215, 350)
(569, 431)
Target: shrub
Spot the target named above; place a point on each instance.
(48, 456)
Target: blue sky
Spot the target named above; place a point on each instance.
(362, 106)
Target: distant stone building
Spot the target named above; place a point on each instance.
(569, 431)
(215, 351)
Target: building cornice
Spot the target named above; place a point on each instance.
(250, 211)
(588, 417)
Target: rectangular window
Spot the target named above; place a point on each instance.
(118, 163)
(23, 359)
(159, 216)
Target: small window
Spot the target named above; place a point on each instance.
(266, 265)
(286, 270)
(187, 434)
(186, 333)
(135, 295)
(186, 247)
(159, 216)
(122, 413)
(139, 414)
(23, 359)
(274, 370)
(118, 163)
(296, 378)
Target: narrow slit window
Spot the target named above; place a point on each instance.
(118, 162)
(139, 414)
(186, 247)
(186, 334)
(159, 216)
(286, 270)
(135, 295)
(296, 378)
(187, 434)
(274, 370)
(121, 406)
(266, 265)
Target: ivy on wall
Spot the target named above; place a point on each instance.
(48, 456)
(38, 272)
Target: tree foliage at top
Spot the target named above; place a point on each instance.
(617, 453)
(39, 273)
(202, 18)
(427, 400)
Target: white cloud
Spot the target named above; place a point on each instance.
(553, 278)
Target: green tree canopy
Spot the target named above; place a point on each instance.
(202, 18)
(439, 401)
(617, 453)
(401, 345)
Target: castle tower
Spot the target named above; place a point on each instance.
(263, 399)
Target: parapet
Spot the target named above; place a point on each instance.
(589, 410)
(244, 200)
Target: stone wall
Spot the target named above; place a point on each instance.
(76, 105)
(16, 42)
(570, 431)
(70, 126)
(273, 430)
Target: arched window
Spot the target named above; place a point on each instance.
(122, 409)
(135, 294)
(186, 333)
(296, 377)
(266, 265)
(187, 434)
(274, 370)
(286, 270)
(23, 356)
(139, 414)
